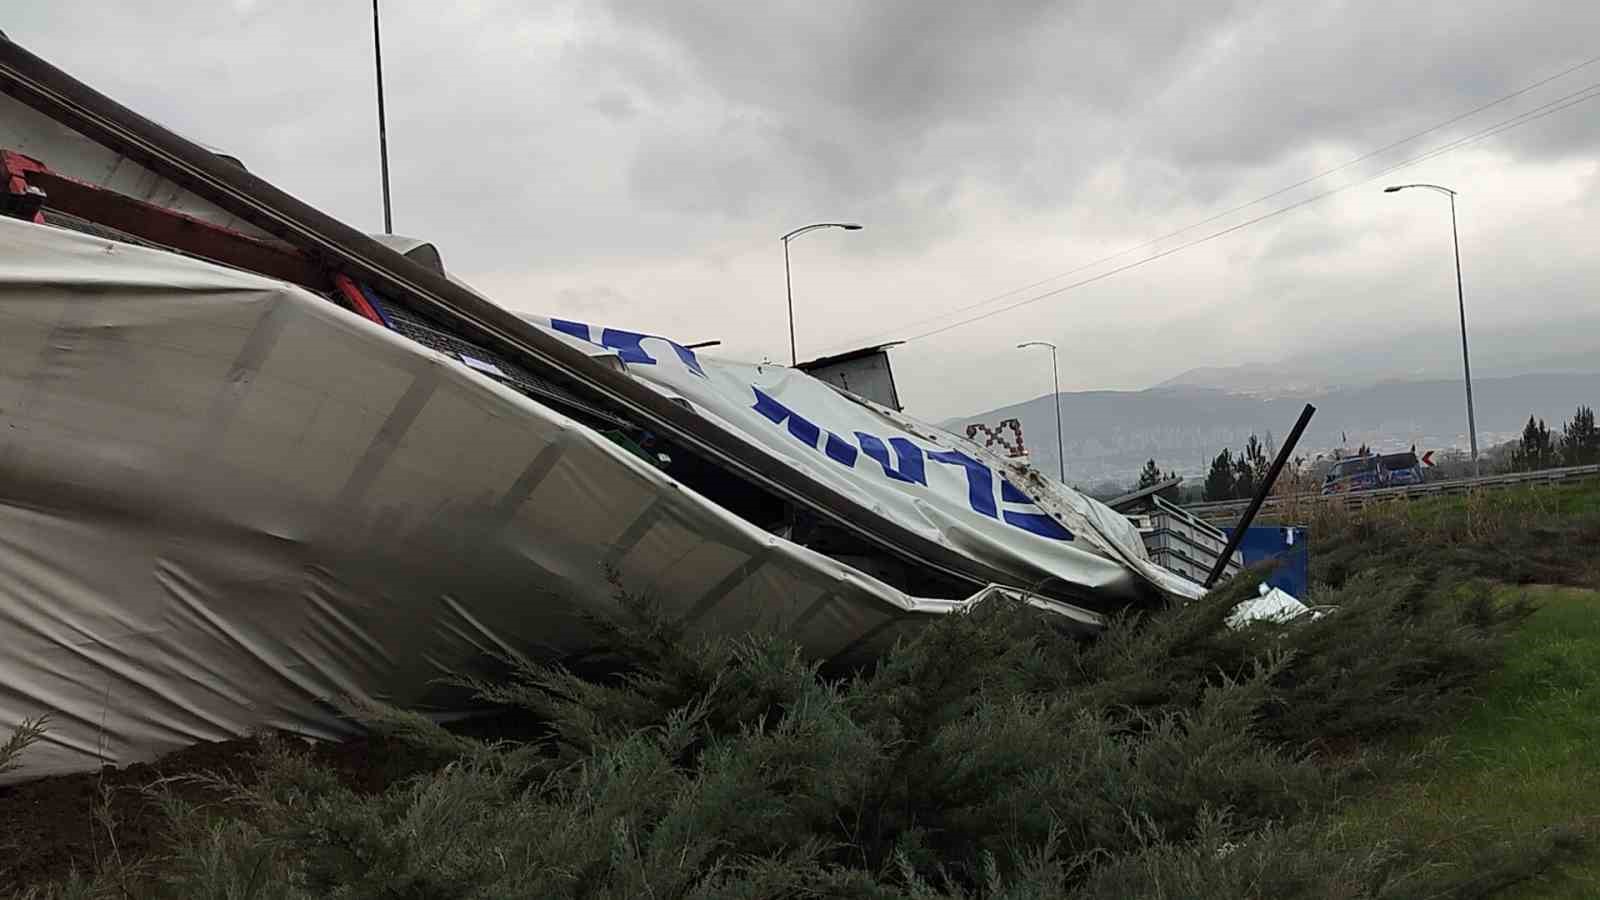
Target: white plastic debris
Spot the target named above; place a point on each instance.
(1274, 605)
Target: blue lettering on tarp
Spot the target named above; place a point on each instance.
(980, 481)
(576, 329)
(837, 448)
(1011, 494)
(628, 344)
(1040, 524)
(777, 414)
(840, 450)
(687, 357)
(908, 466)
(907, 455)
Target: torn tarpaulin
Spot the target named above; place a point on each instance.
(225, 503)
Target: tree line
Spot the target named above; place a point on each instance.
(1235, 476)
(1577, 444)
(1232, 476)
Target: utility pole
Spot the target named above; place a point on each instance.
(383, 132)
(1055, 381)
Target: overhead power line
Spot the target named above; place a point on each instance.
(1264, 197)
(1554, 106)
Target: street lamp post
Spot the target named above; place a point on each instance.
(1461, 305)
(383, 131)
(789, 283)
(1055, 381)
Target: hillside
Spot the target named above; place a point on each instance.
(1109, 434)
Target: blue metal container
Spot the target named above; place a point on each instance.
(1288, 545)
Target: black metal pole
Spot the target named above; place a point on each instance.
(1261, 495)
(383, 132)
(1055, 381)
(1466, 363)
(788, 286)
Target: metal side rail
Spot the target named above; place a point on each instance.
(1229, 510)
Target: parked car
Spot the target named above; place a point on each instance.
(1357, 473)
(1399, 469)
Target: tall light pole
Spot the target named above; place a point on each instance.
(1461, 305)
(1055, 381)
(383, 132)
(789, 284)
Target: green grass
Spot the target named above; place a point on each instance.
(1525, 760)
(1560, 499)
(1522, 536)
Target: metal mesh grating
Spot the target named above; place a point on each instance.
(513, 375)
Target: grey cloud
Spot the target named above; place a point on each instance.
(1211, 86)
(595, 299)
(1361, 74)
(639, 159)
(614, 105)
(856, 101)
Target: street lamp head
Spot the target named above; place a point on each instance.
(847, 226)
(794, 356)
(1432, 187)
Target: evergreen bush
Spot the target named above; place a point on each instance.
(989, 755)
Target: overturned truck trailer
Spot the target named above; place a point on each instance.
(253, 462)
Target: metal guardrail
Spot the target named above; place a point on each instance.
(1228, 510)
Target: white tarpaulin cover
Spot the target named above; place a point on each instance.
(942, 486)
(226, 503)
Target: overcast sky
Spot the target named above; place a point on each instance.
(635, 163)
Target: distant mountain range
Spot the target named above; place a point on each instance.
(1554, 347)
(1183, 423)
(1389, 391)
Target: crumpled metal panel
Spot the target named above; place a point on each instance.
(226, 503)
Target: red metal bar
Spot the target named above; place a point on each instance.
(160, 225)
(353, 296)
(17, 168)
